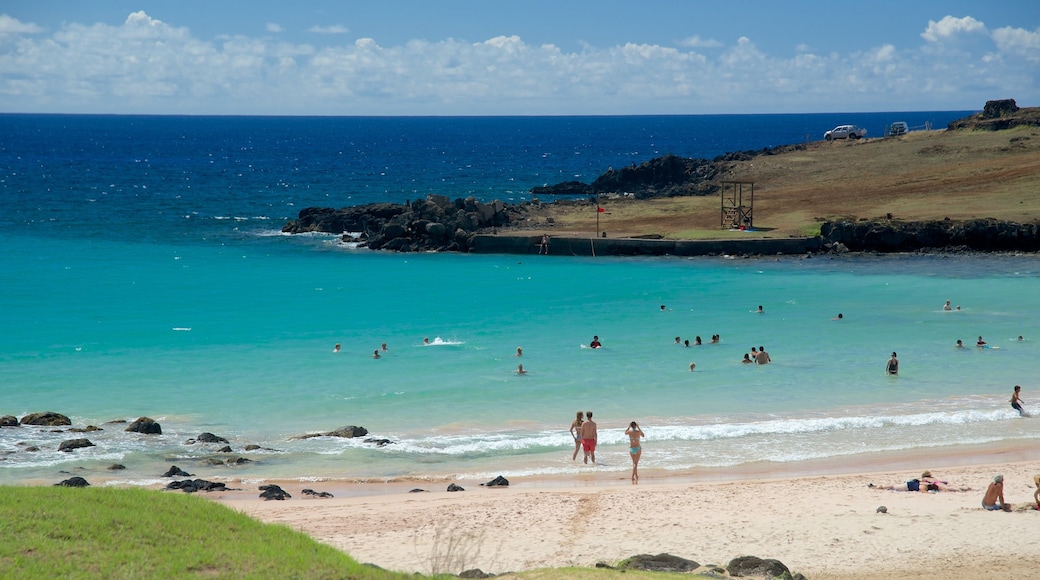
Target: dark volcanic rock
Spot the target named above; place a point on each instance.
(144, 425)
(193, 485)
(46, 419)
(453, 487)
(894, 236)
(269, 492)
(999, 115)
(497, 482)
(8, 421)
(312, 493)
(73, 482)
(210, 438)
(73, 444)
(175, 471)
(658, 563)
(752, 566)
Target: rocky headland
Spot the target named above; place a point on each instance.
(438, 223)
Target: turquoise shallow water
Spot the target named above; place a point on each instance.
(143, 274)
(237, 339)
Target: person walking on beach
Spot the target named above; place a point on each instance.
(576, 434)
(1016, 401)
(994, 498)
(589, 437)
(635, 449)
(892, 367)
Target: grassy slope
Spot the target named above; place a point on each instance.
(922, 175)
(54, 532)
(136, 533)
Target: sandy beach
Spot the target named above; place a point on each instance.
(824, 526)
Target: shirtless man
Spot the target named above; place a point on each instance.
(762, 357)
(1016, 401)
(589, 437)
(994, 498)
(947, 307)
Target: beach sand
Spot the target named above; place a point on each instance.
(824, 526)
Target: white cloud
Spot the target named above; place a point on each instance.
(334, 29)
(144, 65)
(274, 27)
(950, 26)
(9, 25)
(698, 42)
(1018, 41)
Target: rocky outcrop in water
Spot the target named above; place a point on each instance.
(436, 223)
(46, 419)
(985, 235)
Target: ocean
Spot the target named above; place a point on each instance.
(144, 274)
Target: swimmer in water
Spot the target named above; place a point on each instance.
(336, 349)
(519, 351)
(426, 340)
(520, 370)
(947, 307)
(375, 353)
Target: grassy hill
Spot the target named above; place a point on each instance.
(960, 174)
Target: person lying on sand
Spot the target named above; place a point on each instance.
(923, 484)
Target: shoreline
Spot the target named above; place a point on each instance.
(820, 520)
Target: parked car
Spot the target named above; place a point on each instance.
(896, 129)
(845, 132)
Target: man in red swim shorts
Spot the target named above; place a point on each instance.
(588, 437)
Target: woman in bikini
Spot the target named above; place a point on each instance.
(634, 447)
(576, 434)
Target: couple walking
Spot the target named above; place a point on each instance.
(585, 436)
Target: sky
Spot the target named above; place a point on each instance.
(515, 57)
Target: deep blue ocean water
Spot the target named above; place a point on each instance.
(144, 275)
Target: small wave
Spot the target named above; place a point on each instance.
(182, 328)
(441, 342)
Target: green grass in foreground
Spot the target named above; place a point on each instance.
(52, 532)
(56, 532)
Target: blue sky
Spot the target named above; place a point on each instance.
(530, 57)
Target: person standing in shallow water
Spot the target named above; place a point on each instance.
(1016, 401)
(892, 367)
(635, 448)
(576, 434)
(589, 436)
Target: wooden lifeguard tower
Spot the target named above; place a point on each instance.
(738, 204)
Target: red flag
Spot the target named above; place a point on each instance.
(600, 210)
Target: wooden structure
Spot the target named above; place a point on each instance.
(738, 204)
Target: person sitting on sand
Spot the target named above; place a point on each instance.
(994, 498)
(1036, 494)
